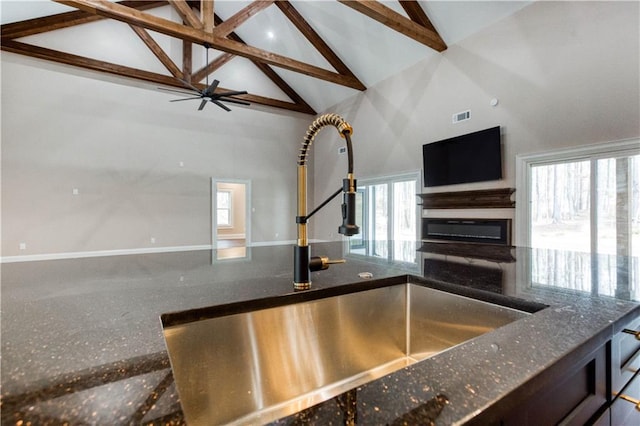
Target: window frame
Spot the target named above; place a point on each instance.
(388, 180)
(229, 224)
(592, 153)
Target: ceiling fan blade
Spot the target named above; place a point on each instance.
(186, 99)
(191, 86)
(202, 104)
(221, 105)
(184, 92)
(212, 88)
(235, 101)
(219, 95)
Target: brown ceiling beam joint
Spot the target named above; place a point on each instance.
(187, 15)
(273, 76)
(174, 29)
(314, 38)
(229, 25)
(417, 14)
(157, 51)
(397, 22)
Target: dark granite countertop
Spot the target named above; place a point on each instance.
(82, 341)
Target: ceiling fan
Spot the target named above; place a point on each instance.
(209, 95)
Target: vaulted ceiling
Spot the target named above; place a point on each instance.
(313, 44)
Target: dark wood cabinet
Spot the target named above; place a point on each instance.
(577, 396)
(625, 364)
(590, 391)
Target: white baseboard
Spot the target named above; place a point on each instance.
(231, 236)
(124, 252)
(100, 253)
(272, 243)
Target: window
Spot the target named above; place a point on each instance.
(386, 214)
(579, 209)
(223, 208)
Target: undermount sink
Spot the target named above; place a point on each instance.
(255, 367)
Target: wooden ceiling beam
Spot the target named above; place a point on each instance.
(206, 15)
(314, 38)
(187, 15)
(274, 77)
(131, 73)
(65, 20)
(87, 63)
(187, 60)
(70, 19)
(418, 15)
(164, 26)
(230, 24)
(157, 51)
(387, 16)
(211, 67)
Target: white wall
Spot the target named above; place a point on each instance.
(121, 146)
(565, 74)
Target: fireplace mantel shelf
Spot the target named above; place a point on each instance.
(499, 198)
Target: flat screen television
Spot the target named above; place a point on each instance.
(475, 157)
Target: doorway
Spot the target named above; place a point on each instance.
(230, 214)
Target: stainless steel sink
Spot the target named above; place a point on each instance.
(258, 366)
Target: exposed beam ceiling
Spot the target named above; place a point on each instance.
(384, 15)
(203, 27)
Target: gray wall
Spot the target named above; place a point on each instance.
(565, 74)
(121, 146)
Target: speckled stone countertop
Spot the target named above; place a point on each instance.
(82, 341)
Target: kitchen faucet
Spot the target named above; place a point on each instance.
(304, 264)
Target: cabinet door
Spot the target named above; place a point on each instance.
(577, 397)
(625, 360)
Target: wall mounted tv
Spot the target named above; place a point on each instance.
(475, 157)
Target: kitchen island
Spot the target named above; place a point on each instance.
(82, 342)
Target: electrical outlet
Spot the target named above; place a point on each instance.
(153, 240)
(23, 246)
(75, 191)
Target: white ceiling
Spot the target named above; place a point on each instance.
(371, 50)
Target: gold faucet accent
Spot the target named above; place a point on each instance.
(303, 263)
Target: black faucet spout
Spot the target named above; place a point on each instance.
(349, 227)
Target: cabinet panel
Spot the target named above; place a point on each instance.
(578, 396)
(625, 360)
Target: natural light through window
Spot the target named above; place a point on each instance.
(560, 206)
(584, 219)
(387, 218)
(223, 208)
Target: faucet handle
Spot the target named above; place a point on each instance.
(320, 263)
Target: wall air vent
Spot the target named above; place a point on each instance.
(461, 116)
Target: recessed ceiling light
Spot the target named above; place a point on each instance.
(270, 35)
